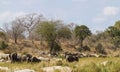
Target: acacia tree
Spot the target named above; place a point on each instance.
(81, 33)
(17, 29)
(51, 31)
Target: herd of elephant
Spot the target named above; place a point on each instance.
(70, 57)
(14, 57)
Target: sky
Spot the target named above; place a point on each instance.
(96, 14)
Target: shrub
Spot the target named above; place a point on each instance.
(56, 47)
(3, 45)
(86, 48)
(100, 49)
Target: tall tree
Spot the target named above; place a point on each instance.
(51, 31)
(47, 29)
(81, 33)
(30, 21)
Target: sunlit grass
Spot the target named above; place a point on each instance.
(84, 65)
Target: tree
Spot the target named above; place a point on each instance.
(17, 29)
(114, 33)
(30, 21)
(2, 35)
(3, 40)
(51, 31)
(64, 32)
(117, 24)
(47, 29)
(116, 41)
(81, 33)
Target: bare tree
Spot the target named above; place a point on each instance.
(73, 38)
(30, 21)
(17, 29)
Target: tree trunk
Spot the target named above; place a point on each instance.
(51, 46)
(41, 44)
(15, 40)
(29, 34)
(81, 43)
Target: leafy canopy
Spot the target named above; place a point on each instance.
(82, 32)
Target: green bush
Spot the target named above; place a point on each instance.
(3, 45)
(86, 48)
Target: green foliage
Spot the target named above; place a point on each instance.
(2, 34)
(117, 24)
(82, 32)
(3, 45)
(113, 31)
(56, 47)
(64, 32)
(47, 30)
(116, 41)
(51, 31)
